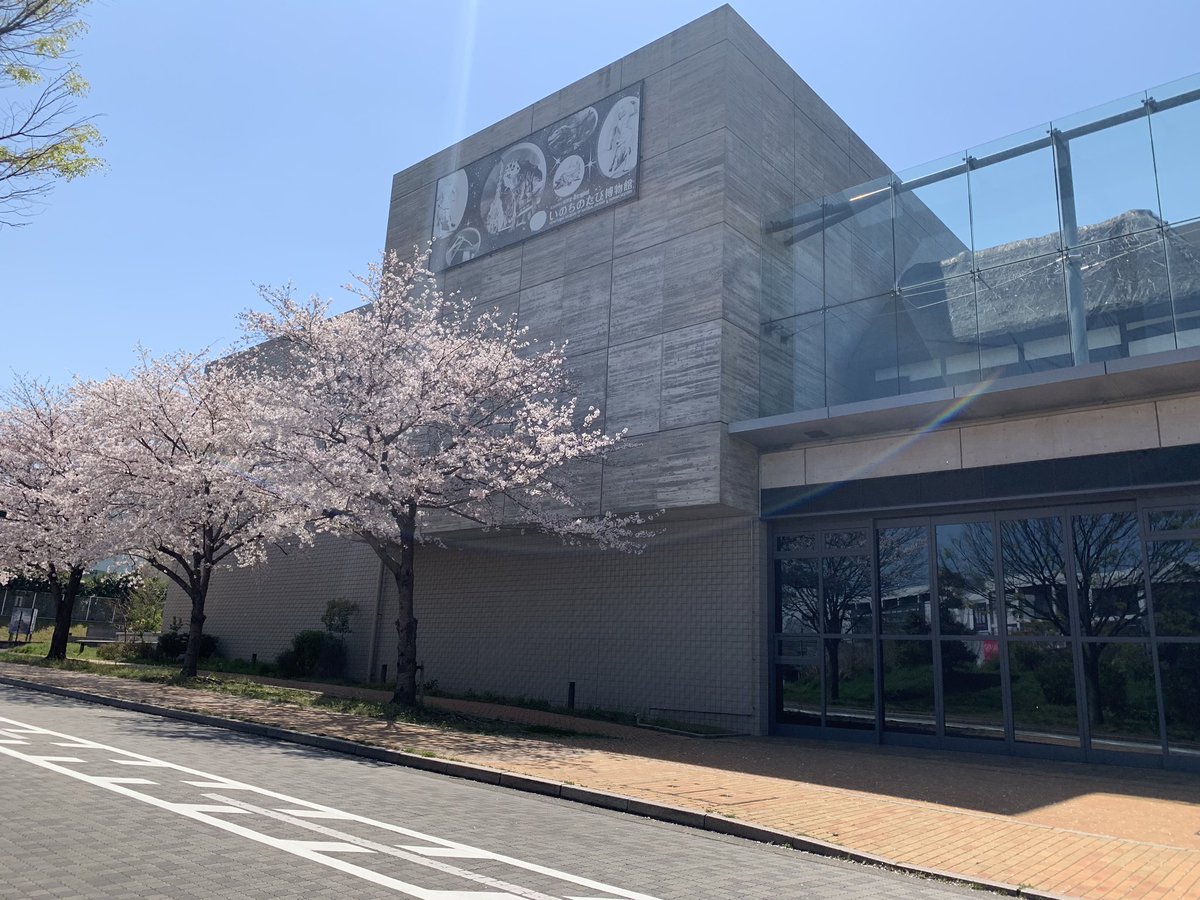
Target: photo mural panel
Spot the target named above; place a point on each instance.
(583, 163)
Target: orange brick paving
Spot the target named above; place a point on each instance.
(1062, 828)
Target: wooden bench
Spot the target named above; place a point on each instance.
(93, 642)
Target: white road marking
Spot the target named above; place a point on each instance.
(101, 780)
(58, 758)
(325, 846)
(224, 785)
(300, 816)
(374, 847)
(451, 852)
(315, 814)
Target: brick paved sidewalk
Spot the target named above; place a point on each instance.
(1062, 828)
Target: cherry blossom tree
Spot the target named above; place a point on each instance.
(414, 405)
(56, 523)
(173, 448)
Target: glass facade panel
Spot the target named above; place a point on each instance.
(1175, 587)
(796, 543)
(1127, 296)
(1174, 519)
(1179, 669)
(860, 345)
(849, 683)
(1106, 171)
(1121, 706)
(792, 362)
(933, 222)
(859, 258)
(905, 606)
(966, 579)
(1022, 311)
(1055, 643)
(1014, 199)
(1176, 130)
(908, 687)
(964, 269)
(1035, 581)
(797, 596)
(1110, 590)
(1183, 261)
(1042, 676)
(972, 695)
(846, 540)
(846, 592)
(937, 335)
(798, 693)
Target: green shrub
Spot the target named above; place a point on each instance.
(123, 652)
(313, 653)
(173, 643)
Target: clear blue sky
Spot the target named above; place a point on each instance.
(254, 142)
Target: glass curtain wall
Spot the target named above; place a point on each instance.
(1059, 631)
(1075, 242)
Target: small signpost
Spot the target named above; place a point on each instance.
(23, 621)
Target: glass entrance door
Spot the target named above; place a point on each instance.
(1068, 630)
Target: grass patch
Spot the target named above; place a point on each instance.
(241, 687)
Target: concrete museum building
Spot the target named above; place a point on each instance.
(927, 443)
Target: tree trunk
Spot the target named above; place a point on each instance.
(191, 656)
(405, 693)
(64, 606)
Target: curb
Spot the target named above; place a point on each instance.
(661, 812)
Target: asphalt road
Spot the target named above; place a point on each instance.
(100, 802)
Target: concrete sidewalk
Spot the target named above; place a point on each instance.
(1057, 828)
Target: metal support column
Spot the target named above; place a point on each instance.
(1076, 309)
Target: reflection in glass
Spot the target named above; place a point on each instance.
(860, 351)
(849, 683)
(1174, 519)
(1183, 260)
(798, 693)
(966, 580)
(797, 596)
(1122, 709)
(1175, 587)
(1111, 169)
(937, 335)
(971, 691)
(1043, 693)
(904, 602)
(1179, 669)
(1176, 132)
(796, 543)
(908, 686)
(846, 593)
(1022, 311)
(846, 540)
(1013, 200)
(1126, 294)
(1035, 581)
(1110, 590)
(933, 222)
(858, 243)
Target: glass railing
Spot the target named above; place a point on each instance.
(1074, 242)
